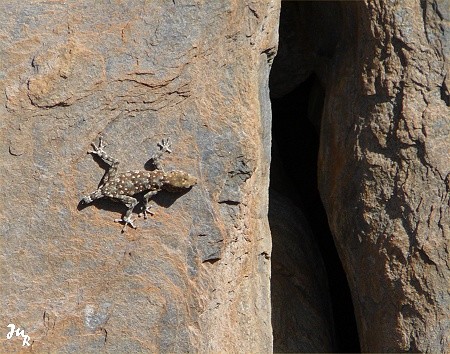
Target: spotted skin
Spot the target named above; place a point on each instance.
(123, 186)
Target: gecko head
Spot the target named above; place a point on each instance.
(178, 180)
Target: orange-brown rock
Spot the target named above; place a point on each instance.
(384, 167)
(194, 277)
(377, 78)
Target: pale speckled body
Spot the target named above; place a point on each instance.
(123, 186)
(132, 182)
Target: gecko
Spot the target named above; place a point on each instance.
(124, 186)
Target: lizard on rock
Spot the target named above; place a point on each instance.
(123, 186)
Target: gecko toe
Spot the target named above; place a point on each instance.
(127, 221)
(147, 211)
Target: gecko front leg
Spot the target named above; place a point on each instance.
(130, 202)
(165, 147)
(148, 206)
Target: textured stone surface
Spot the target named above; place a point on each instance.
(384, 157)
(384, 171)
(195, 277)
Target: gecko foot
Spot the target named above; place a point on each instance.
(165, 145)
(127, 221)
(98, 150)
(147, 211)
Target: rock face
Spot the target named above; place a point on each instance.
(383, 165)
(384, 170)
(195, 276)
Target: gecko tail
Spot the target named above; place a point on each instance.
(91, 197)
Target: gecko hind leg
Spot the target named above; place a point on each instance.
(98, 150)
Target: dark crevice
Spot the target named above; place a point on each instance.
(445, 93)
(423, 6)
(296, 138)
(312, 308)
